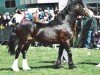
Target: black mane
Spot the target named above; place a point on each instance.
(57, 20)
(61, 16)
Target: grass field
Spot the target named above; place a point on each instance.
(41, 60)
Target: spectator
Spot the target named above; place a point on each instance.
(7, 14)
(77, 42)
(41, 15)
(36, 16)
(28, 15)
(89, 24)
(46, 16)
(0, 19)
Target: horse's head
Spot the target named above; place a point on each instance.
(78, 7)
(74, 8)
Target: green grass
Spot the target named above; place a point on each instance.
(41, 59)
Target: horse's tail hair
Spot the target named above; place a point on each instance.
(12, 43)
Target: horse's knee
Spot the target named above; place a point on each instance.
(17, 51)
(23, 52)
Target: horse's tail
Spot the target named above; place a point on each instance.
(12, 42)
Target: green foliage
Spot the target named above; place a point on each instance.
(41, 60)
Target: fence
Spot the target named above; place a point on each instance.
(4, 34)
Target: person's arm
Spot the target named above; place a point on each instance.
(88, 12)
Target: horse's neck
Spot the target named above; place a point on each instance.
(72, 17)
(69, 21)
(65, 12)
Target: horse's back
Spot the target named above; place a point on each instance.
(41, 25)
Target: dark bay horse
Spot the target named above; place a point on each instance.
(58, 31)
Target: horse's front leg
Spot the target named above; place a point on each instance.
(68, 50)
(25, 65)
(15, 63)
(58, 62)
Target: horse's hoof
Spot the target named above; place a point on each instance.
(57, 66)
(25, 65)
(15, 69)
(26, 68)
(72, 67)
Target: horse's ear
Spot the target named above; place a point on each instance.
(79, 1)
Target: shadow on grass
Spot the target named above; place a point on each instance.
(1, 69)
(37, 67)
(42, 67)
(46, 67)
(90, 63)
(51, 65)
(47, 62)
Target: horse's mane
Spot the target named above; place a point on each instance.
(58, 20)
(62, 14)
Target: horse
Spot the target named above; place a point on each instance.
(58, 31)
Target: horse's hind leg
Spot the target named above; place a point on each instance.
(58, 62)
(24, 50)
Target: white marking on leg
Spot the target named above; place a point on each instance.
(25, 65)
(15, 65)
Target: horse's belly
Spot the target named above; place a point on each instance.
(53, 35)
(47, 36)
(50, 34)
